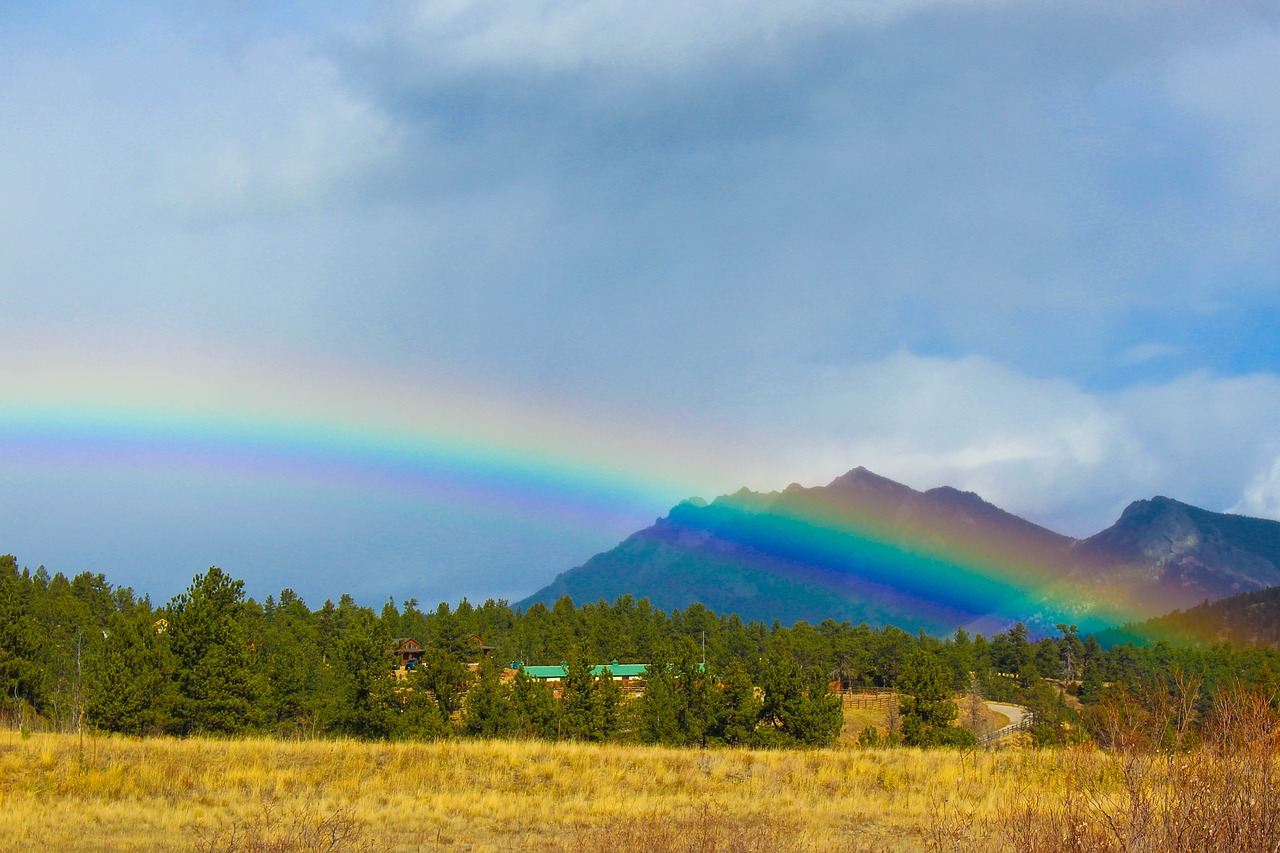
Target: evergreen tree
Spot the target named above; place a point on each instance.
(410, 708)
(534, 706)
(357, 685)
(588, 708)
(219, 684)
(926, 706)
(1091, 683)
(488, 711)
(798, 706)
(291, 653)
(739, 709)
(129, 676)
(660, 706)
(446, 677)
(22, 678)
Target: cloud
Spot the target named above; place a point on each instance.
(1261, 497)
(1144, 353)
(1222, 82)
(1045, 448)
(664, 37)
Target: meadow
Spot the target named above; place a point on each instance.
(121, 794)
(1207, 790)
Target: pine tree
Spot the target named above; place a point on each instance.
(926, 706)
(1091, 684)
(535, 707)
(798, 705)
(588, 704)
(357, 684)
(488, 711)
(292, 661)
(578, 709)
(660, 707)
(446, 677)
(738, 712)
(220, 686)
(128, 676)
(22, 678)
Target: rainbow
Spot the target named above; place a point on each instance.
(426, 440)
(829, 554)
(370, 432)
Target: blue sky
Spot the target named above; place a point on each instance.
(1021, 248)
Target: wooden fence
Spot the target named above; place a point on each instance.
(868, 699)
(1024, 725)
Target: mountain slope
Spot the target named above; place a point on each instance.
(862, 548)
(1190, 551)
(1250, 619)
(867, 549)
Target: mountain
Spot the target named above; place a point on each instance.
(1248, 620)
(867, 549)
(1201, 554)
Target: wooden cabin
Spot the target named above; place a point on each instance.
(408, 652)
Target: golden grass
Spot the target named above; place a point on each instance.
(118, 794)
(131, 795)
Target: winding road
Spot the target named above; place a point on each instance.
(1016, 715)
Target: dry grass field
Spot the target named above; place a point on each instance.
(117, 794)
(126, 795)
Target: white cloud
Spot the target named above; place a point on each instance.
(277, 129)
(665, 36)
(1261, 497)
(1148, 352)
(1044, 448)
(187, 135)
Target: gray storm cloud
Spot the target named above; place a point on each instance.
(1024, 250)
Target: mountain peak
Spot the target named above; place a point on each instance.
(1209, 554)
(860, 481)
(785, 555)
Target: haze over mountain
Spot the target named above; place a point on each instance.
(867, 549)
(1250, 619)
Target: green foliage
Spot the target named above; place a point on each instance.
(926, 706)
(129, 677)
(588, 707)
(292, 662)
(1091, 684)
(409, 707)
(357, 684)
(22, 678)
(682, 706)
(534, 706)
(738, 709)
(446, 677)
(489, 711)
(798, 707)
(227, 665)
(660, 709)
(220, 686)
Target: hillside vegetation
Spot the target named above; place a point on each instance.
(81, 654)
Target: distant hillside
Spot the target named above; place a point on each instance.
(863, 549)
(867, 549)
(1250, 620)
(1190, 551)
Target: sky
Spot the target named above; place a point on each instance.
(437, 298)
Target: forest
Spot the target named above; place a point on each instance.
(81, 652)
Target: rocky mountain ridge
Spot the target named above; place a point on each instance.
(865, 548)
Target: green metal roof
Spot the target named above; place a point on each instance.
(622, 670)
(618, 670)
